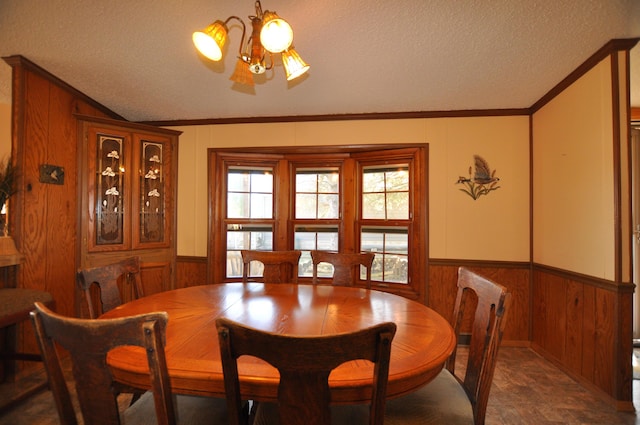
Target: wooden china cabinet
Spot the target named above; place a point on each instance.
(128, 193)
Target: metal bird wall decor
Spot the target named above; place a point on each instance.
(480, 182)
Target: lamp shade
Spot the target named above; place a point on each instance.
(294, 66)
(242, 74)
(276, 34)
(211, 40)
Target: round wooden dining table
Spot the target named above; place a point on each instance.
(423, 341)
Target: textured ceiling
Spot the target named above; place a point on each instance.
(136, 57)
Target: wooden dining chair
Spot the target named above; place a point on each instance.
(304, 364)
(449, 399)
(346, 267)
(87, 343)
(106, 278)
(278, 266)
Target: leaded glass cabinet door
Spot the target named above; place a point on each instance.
(109, 159)
(153, 207)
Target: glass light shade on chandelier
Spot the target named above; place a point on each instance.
(294, 66)
(242, 74)
(276, 34)
(211, 40)
(271, 34)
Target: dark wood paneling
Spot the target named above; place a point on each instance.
(573, 348)
(43, 216)
(442, 290)
(155, 277)
(61, 200)
(606, 328)
(582, 324)
(191, 271)
(589, 329)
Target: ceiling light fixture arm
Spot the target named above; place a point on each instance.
(244, 31)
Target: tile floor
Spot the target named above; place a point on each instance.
(527, 390)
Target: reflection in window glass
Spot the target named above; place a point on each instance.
(245, 237)
(249, 193)
(391, 246)
(385, 193)
(317, 194)
(307, 239)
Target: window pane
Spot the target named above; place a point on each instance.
(261, 205)
(238, 205)
(328, 182)
(237, 182)
(396, 268)
(305, 206)
(373, 206)
(262, 182)
(234, 264)
(306, 183)
(391, 246)
(305, 267)
(397, 180)
(371, 241)
(328, 241)
(373, 182)
(328, 206)
(305, 241)
(396, 243)
(398, 206)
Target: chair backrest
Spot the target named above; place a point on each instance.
(106, 278)
(346, 267)
(491, 302)
(87, 342)
(304, 364)
(279, 266)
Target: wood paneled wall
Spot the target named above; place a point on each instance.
(442, 289)
(191, 271)
(43, 217)
(584, 326)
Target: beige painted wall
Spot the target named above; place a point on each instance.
(573, 214)
(494, 227)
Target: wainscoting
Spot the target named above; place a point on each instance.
(581, 324)
(584, 326)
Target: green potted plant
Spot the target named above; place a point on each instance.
(7, 189)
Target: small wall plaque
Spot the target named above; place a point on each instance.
(51, 174)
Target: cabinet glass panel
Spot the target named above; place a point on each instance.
(152, 193)
(110, 191)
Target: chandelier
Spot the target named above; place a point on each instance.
(270, 35)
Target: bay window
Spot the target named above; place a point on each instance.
(351, 200)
